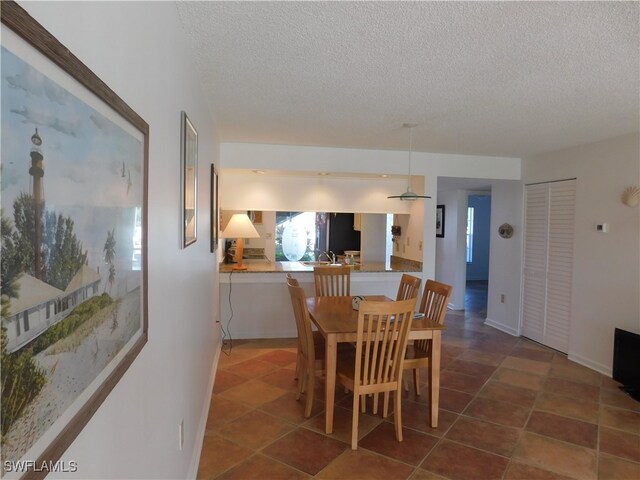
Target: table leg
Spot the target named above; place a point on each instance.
(331, 353)
(434, 376)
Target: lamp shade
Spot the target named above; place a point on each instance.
(240, 226)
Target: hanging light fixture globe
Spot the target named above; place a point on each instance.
(409, 195)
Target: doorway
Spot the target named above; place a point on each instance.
(462, 253)
(477, 243)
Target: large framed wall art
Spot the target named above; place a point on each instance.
(74, 165)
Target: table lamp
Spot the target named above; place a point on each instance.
(240, 227)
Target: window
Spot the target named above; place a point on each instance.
(297, 235)
(470, 235)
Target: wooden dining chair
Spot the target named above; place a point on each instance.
(435, 299)
(310, 355)
(318, 339)
(332, 281)
(376, 366)
(409, 287)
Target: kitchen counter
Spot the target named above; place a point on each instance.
(264, 266)
(255, 303)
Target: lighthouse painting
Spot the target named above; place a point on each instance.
(73, 256)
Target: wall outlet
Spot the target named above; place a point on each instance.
(267, 235)
(503, 298)
(181, 434)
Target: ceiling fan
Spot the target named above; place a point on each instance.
(409, 195)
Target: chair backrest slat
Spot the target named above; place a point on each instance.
(332, 281)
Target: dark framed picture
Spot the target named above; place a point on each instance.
(189, 177)
(440, 221)
(215, 209)
(74, 243)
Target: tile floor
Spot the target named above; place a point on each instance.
(510, 409)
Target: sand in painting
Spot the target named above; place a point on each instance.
(70, 365)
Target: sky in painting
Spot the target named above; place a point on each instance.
(93, 168)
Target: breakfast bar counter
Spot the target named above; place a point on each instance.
(265, 266)
(255, 303)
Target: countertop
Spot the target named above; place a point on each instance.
(264, 266)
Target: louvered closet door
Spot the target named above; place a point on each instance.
(534, 281)
(548, 263)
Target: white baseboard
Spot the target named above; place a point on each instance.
(451, 306)
(598, 367)
(204, 415)
(502, 327)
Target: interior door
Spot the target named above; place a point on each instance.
(548, 262)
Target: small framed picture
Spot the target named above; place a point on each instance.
(440, 221)
(188, 170)
(215, 209)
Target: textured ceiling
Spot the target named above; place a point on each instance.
(486, 78)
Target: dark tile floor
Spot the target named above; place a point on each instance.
(510, 409)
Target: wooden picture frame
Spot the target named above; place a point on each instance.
(440, 221)
(215, 209)
(76, 312)
(189, 180)
(255, 216)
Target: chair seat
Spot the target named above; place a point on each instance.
(414, 353)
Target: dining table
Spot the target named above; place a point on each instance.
(337, 321)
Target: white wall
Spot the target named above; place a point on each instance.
(242, 190)
(138, 49)
(450, 249)
(606, 271)
(505, 257)
(373, 239)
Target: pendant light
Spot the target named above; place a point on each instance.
(409, 195)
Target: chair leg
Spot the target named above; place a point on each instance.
(297, 374)
(303, 378)
(397, 417)
(416, 380)
(354, 421)
(385, 404)
(310, 392)
(300, 384)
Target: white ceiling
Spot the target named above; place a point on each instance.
(486, 78)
